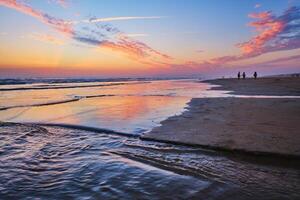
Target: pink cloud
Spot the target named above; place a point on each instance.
(274, 33)
(58, 24)
(136, 51)
(268, 28)
(261, 15)
(130, 49)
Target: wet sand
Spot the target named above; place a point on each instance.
(288, 86)
(260, 125)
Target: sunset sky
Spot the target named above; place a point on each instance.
(148, 38)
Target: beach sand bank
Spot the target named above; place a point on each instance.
(256, 125)
(288, 86)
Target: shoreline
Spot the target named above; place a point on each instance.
(78, 98)
(203, 124)
(259, 126)
(71, 126)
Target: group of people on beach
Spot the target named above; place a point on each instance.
(244, 75)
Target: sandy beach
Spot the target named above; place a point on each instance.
(255, 125)
(289, 86)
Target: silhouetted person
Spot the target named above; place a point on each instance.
(244, 75)
(239, 75)
(255, 75)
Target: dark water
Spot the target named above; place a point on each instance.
(40, 162)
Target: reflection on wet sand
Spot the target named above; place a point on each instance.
(131, 108)
(125, 114)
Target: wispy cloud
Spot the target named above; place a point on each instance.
(281, 60)
(46, 38)
(163, 34)
(121, 43)
(257, 5)
(58, 24)
(118, 41)
(137, 35)
(109, 19)
(62, 3)
(100, 35)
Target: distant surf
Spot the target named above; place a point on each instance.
(47, 87)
